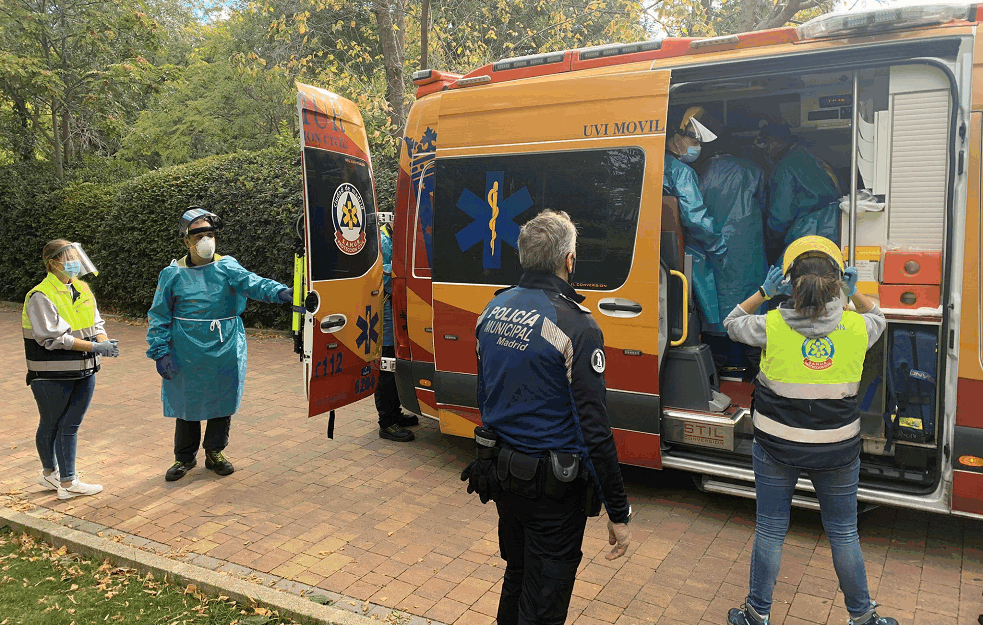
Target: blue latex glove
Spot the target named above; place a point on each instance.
(850, 278)
(775, 283)
(286, 296)
(167, 367)
(106, 348)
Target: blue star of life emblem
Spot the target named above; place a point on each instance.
(494, 217)
(367, 325)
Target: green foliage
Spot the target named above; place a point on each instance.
(24, 188)
(130, 229)
(258, 197)
(72, 72)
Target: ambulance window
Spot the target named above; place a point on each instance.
(339, 200)
(600, 189)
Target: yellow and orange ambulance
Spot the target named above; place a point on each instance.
(891, 100)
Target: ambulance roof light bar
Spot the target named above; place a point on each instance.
(881, 20)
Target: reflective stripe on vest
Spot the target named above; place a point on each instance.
(827, 367)
(803, 435)
(80, 315)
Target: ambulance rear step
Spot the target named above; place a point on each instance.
(706, 429)
(711, 484)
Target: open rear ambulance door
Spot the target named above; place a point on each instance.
(343, 319)
(594, 147)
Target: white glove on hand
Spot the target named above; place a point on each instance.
(619, 535)
(106, 348)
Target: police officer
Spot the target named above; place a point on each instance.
(545, 445)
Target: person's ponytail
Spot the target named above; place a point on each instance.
(815, 282)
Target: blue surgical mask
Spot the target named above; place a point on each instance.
(72, 268)
(692, 153)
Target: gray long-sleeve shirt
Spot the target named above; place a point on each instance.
(48, 327)
(750, 329)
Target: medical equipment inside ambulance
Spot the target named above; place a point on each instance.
(881, 138)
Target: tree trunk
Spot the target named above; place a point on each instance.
(66, 140)
(393, 62)
(424, 33)
(25, 143)
(56, 135)
(782, 13)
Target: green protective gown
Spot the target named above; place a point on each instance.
(734, 192)
(195, 316)
(701, 235)
(803, 199)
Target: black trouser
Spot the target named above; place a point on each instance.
(540, 540)
(386, 395)
(187, 437)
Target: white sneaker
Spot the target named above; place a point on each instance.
(50, 482)
(79, 489)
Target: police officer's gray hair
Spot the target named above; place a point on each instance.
(545, 240)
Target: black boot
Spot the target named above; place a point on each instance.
(396, 433)
(215, 461)
(179, 469)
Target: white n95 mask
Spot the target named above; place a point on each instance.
(206, 247)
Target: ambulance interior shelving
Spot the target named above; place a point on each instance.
(897, 217)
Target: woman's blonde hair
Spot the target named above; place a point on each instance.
(48, 252)
(815, 283)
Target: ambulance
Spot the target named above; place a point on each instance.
(891, 100)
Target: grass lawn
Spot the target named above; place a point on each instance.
(43, 585)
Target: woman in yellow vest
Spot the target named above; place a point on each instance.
(806, 416)
(64, 338)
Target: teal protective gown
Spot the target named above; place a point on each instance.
(701, 235)
(195, 316)
(734, 193)
(804, 199)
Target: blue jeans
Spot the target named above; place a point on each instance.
(836, 490)
(62, 404)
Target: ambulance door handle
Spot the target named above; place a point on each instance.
(619, 307)
(685, 335)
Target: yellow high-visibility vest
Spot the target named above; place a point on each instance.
(80, 315)
(827, 367)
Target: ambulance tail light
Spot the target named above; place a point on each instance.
(881, 20)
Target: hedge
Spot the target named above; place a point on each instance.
(130, 230)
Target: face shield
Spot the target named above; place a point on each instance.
(73, 252)
(194, 214)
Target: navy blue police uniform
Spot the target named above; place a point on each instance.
(541, 389)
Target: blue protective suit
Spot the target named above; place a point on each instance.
(195, 316)
(387, 287)
(734, 194)
(804, 199)
(701, 234)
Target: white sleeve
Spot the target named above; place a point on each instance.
(49, 329)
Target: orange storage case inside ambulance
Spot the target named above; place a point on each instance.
(902, 267)
(910, 296)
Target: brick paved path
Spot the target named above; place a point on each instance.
(383, 526)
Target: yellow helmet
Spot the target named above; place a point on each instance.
(812, 245)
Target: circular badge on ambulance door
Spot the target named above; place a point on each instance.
(597, 360)
(348, 215)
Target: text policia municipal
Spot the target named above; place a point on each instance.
(513, 326)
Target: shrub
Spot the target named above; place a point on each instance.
(258, 197)
(130, 229)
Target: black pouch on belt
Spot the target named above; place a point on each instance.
(524, 475)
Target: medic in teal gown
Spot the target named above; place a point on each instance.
(198, 342)
(195, 317)
(701, 235)
(803, 191)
